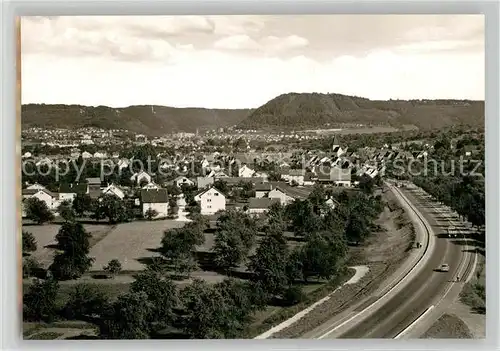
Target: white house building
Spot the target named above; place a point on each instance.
(211, 201)
(154, 199)
(35, 186)
(262, 190)
(141, 177)
(67, 192)
(259, 206)
(182, 180)
(86, 155)
(151, 186)
(295, 176)
(278, 193)
(114, 190)
(44, 195)
(245, 172)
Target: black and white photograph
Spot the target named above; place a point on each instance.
(252, 177)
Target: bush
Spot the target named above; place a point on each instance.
(293, 295)
(114, 267)
(32, 268)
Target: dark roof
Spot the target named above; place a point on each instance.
(263, 187)
(94, 181)
(264, 202)
(81, 188)
(154, 195)
(297, 172)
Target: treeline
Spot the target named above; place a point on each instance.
(274, 270)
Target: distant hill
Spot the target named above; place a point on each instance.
(304, 110)
(147, 120)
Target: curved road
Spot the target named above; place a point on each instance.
(426, 289)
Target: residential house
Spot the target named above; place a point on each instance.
(67, 192)
(123, 163)
(114, 190)
(341, 176)
(335, 175)
(211, 201)
(262, 190)
(332, 203)
(86, 155)
(44, 195)
(181, 180)
(154, 199)
(94, 187)
(204, 182)
(141, 176)
(258, 206)
(35, 186)
(295, 176)
(150, 186)
(27, 154)
(217, 174)
(44, 161)
(245, 172)
(309, 179)
(278, 193)
(98, 154)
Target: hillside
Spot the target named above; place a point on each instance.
(303, 110)
(139, 119)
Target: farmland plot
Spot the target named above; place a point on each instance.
(131, 243)
(45, 238)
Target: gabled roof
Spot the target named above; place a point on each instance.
(265, 202)
(263, 187)
(210, 188)
(66, 188)
(30, 192)
(154, 196)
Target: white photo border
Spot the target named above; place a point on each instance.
(11, 336)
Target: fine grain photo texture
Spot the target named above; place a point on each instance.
(257, 177)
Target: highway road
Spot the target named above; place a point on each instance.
(427, 288)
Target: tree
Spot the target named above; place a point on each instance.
(241, 224)
(111, 207)
(150, 214)
(184, 264)
(229, 250)
(277, 216)
(323, 255)
(29, 242)
(72, 261)
(38, 211)
(31, 267)
(39, 303)
(129, 317)
(82, 203)
(208, 315)
(366, 184)
(270, 262)
(66, 211)
(179, 241)
(161, 292)
(85, 300)
(114, 267)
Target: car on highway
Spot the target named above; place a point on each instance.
(445, 267)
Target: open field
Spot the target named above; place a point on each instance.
(131, 243)
(45, 237)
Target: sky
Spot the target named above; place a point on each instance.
(244, 61)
